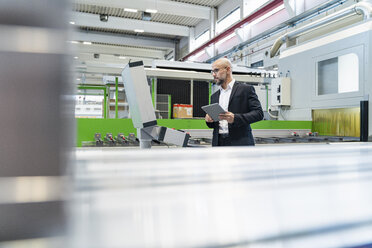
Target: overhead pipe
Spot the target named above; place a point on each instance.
(364, 8)
(272, 5)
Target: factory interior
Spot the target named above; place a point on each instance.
(106, 143)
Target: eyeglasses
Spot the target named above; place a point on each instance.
(215, 71)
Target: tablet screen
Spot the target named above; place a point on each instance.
(213, 110)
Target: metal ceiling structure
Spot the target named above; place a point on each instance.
(111, 30)
(155, 17)
(210, 3)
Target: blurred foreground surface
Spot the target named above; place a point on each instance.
(267, 196)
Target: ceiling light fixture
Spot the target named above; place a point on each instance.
(139, 30)
(76, 57)
(73, 23)
(87, 43)
(151, 11)
(130, 10)
(122, 57)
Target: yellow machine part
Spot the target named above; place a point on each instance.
(337, 122)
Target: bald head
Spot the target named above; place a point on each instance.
(223, 62)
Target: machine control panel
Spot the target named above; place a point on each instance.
(281, 91)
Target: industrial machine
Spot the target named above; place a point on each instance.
(110, 139)
(142, 110)
(120, 139)
(334, 74)
(97, 138)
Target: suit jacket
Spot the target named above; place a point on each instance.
(246, 107)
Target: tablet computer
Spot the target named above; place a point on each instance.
(213, 110)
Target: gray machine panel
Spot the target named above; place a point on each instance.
(138, 94)
(175, 137)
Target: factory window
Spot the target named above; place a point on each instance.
(228, 20)
(258, 64)
(250, 6)
(89, 106)
(348, 73)
(338, 75)
(202, 38)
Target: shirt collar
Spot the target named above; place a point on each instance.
(229, 86)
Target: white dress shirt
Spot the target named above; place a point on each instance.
(224, 102)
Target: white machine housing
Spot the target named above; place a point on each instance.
(138, 94)
(304, 61)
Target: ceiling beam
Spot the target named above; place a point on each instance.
(162, 6)
(110, 59)
(117, 50)
(92, 20)
(123, 40)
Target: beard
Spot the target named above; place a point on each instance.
(219, 81)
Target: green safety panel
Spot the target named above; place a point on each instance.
(86, 128)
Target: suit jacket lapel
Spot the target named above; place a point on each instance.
(233, 91)
(217, 97)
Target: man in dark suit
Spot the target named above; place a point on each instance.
(241, 104)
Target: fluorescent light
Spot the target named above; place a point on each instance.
(76, 57)
(73, 23)
(87, 43)
(78, 79)
(151, 11)
(139, 30)
(130, 10)
(122, 57)
(74, 42)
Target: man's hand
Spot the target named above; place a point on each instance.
(227, 116)
(208, 118)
